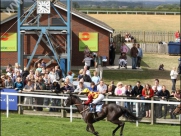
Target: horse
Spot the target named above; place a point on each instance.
(177, 110)
(112, 111)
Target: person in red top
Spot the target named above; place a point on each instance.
(177, 36)
(90, 95)
(147, 93)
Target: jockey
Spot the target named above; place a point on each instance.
(90, 95)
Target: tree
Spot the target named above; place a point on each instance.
(98, 7)
(75, 5)
(113, 6)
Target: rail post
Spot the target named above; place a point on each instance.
(7, 106)
(62, 110)
(20, 111)
(152, 112)
(70, 113)
(136, 113)
(106, 101)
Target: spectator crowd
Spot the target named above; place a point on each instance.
(43, 78)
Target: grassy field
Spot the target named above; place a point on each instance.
(18, 125)
(140, 22)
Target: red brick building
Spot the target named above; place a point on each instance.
(80, 23)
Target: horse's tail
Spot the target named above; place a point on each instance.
(129, 115)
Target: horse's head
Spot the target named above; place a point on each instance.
(177, 110)
(72, 99)
(68, 101)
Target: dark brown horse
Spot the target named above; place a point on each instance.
(111, 111)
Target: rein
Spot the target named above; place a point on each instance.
(84, 109)
(77, 104)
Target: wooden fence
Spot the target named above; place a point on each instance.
(145, 36)
(149, 41)
(148, 47)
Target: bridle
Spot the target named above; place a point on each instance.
(70, 96)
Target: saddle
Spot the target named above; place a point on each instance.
(93, 108)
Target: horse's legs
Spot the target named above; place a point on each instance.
(122, 127)
(100, 116)
(120, 124)
(87, 128)
(89, 125)
(114, 131)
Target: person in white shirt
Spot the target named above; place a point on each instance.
(95, 78)
(101, 88)
(173, 75)
(157, 86)
(87, 61)
(28, 88)
(98, 60)
(52, 75)
(17, 68)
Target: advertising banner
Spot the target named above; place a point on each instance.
(88, 39)
(12, 100)
(8, 41)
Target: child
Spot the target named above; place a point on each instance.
(161, 67)
(123, 60)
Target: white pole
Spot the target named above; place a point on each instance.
(70, 113)
(7, 106)
(137, 113)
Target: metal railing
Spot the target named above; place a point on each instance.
(64, 96)
(129, 12)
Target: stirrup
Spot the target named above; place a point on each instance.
(91, 109)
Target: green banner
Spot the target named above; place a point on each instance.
(8, 41)
(88, 39)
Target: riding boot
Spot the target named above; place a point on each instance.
(95, 113)
(90, 107)
(94, 108)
